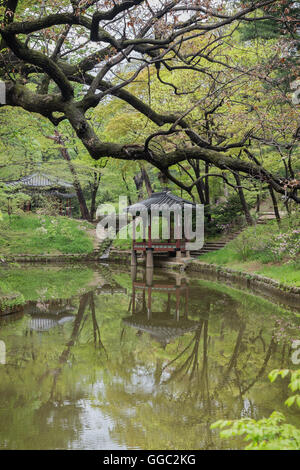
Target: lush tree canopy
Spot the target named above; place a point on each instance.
(197, 81)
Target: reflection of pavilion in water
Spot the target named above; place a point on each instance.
(169, 322)
(207, 381)
(189, 363)
(49, 314)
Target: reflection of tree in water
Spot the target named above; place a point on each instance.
(50, 401)
(207, 374)
(154, 392)
(191, 365)
(194, 365)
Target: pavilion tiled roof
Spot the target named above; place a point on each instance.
(162, 199)
(162, 330)
(40, 180)
(45, 324)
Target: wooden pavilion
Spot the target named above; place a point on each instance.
(172, 320)
(38, 182)
(164, 205)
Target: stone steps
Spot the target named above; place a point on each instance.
(214, 246)
(209, 247)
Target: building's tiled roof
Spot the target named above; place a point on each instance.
(40, 180)
(163, 199)
(162, 330)
(45, 324)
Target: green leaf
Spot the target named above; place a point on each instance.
(290, 401)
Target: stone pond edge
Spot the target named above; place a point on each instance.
(257, 283)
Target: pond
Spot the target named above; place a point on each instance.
(101, 358)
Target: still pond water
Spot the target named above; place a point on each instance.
(101, 359)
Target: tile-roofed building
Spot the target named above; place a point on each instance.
(161, 199)
(50, 185)
(40, 180)
(162, 331)
(163, 204)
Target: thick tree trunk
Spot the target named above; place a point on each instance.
(275, 205)
(206, 192)
(138, 180)
(80, 196)
(147, 182)
(127, 188)
(163, 179)
(199, 187)
(206, 185)
(199, 184)
(95, 187)
(226, 192)
(243, 200)
(257, 203)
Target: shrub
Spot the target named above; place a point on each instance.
(244, 245)
(271, 433)
(225, 215)
(266, 244)
(286, 244)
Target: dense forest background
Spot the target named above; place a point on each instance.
(130, 97)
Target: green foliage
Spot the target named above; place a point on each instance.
(11, 300)
(262, 237)
(224, 215)
(268, 243)
(243, 246)
(12, 200)
(271, 433)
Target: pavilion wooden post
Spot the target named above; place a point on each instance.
(149, 249)
(144, 230)
(178, 242)
(133, 258)
(133, 272)
(177, 311)
(169, 303)
(144, 238)
(149, 233)
(133, 251)
(133, 230)
(169, 228)
(149, 258)
(178, 292)
(133, 300)
(144, 301)
(186, 302)
(149, 312)
(149, 277)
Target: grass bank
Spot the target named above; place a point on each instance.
(264, 249)
(41, 234)
(44, 283)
